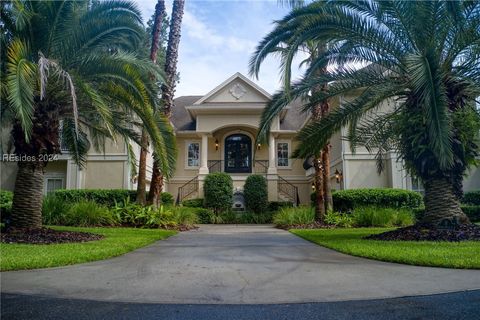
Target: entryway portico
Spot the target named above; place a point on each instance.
(221, 137)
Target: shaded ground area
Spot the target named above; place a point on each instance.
(46, 236)
(427, 233)
(458, 306)
(228, 264)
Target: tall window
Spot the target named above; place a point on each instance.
(193, 154)
(282, 154)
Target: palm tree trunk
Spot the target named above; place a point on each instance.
(168, 89)
(142, 169)
(319, 187)
(327, 190)
(442, 206)
(28, 195)
(142, 166)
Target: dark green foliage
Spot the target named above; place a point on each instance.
(218, 188)
(339, 219)
(346, 200)
(6, 198)
(54, 210)
(472, 198)
(193, 203)
(166, 198)
(472, 212)
(255, 218)
(277, 205)
(256, 193)
(107, 197)
(373, 216)
(205, 216)
(89, 214)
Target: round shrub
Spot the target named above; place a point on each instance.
(256, 193)
(193, 203)
(166, 198)
(218, 189)
(347, 200)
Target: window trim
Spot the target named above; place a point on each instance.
(54, 177)
(289, 153)
(187, 144)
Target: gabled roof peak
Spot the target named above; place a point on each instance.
(235, 76)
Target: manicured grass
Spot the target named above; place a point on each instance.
(465, 255)
(117, 241)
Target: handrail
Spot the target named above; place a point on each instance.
(187, 189)
(260, 166)
(288, 189)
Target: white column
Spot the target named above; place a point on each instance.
(272, 159)
(204, 155)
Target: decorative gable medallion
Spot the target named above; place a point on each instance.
(237, 91)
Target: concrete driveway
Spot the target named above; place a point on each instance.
(226, 264)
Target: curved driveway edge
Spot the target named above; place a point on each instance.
(226, 264)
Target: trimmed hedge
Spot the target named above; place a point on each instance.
(347, 200)
(165, 197)
(472, 198)
(6, 198)
(472, 212)
(256, 193)
(218, 189)
(193, 203)
(274, 206)
(107, 197)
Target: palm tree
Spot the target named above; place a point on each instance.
(419, 58)
(158, 19)
(168, 88)
(71, 74)
(321, 161)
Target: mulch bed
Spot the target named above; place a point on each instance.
(430, 233)
(47, 236)
(314, 225)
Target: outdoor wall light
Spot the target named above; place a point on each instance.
(338, 175)
(259, 146)
(313, 186)
(216, 144)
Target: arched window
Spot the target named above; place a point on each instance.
(238, 153)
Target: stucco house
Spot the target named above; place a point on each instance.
(216, 133)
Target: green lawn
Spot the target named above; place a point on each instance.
(117, 241)
(425, 253)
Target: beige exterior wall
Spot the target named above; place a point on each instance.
(105, 175)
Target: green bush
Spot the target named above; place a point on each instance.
(472, 198)
(274, 206)
(6, 198)
(372, 216)
(347, 200)
(294, 216)
(54, 210)
(256, 193)
(205, 216)
(218, 188)
(225, 217)
(185, 216)
(88, 213)
(472, 212)
(166, 198)
(107, 197)
(339, 219)
(193, 203)
(255, 218)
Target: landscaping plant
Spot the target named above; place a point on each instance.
(256, 193)
(218, 189)
(302, 215)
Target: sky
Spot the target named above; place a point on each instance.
(218, 39)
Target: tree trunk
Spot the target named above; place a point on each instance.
(142, 165)
(327, 190)
(28, 195)
(319, 185)
(442, 206)
(168, 89)
(142, 169)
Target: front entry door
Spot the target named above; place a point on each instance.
(238, 154)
